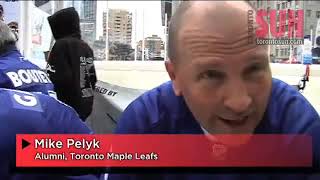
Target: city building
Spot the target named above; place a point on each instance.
(78, 5)
(87, 11)
(99, 49)
(280, 52)
(154, 44)
(168, 7)
(44, 5)
(88, 21)
(153, 48)
(119, 26)
(311, 16)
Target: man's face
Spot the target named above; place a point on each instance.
(225, 81)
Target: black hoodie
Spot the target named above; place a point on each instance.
(70, 63)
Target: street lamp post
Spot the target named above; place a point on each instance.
(107, 32)
(25, 32)
(135, 35)
(165, 36)
(143, 35)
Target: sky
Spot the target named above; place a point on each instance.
(10, 11)
(150, 9)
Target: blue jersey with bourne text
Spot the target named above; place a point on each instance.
(19, 73)
(160, 111)
(30, 113)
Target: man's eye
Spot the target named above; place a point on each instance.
(211, 74)
(255, 68)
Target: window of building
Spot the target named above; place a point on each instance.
(308, 13)
(253, 4)
(278, 6)
(311, 28)
(318, 14)
(289, 51)
(285, 51)
(283, 5)
(277, 52)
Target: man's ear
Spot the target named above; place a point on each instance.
(172, 72)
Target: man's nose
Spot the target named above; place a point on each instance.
(237, 99)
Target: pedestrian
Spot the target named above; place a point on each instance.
(70, 63)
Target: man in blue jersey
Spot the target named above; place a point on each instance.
(17, 72)
(29, 113)
(221, 83)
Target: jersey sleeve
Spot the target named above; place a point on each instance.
(134, 119)
(300, 117)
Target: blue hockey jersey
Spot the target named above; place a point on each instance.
(29, 113)
(19, 73)
(160, 111)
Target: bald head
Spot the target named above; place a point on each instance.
(206, 13)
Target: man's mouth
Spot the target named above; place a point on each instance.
(234, 121)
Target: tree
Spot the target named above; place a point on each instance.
(120, 51)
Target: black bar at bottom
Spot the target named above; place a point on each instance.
(143, 170)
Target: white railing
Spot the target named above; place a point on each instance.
(148, 74)
(277, 68)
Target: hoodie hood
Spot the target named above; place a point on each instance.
(65, 22)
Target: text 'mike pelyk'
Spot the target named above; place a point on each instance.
(69, 143)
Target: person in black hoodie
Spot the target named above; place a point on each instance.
(70, 63)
